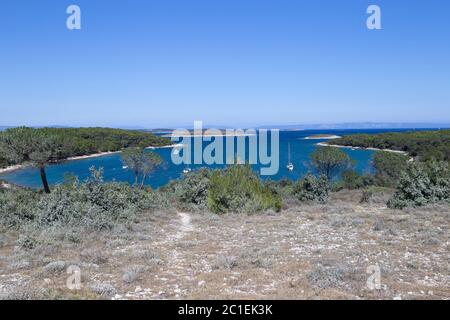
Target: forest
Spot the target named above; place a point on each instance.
(72, 142)
(422, 145)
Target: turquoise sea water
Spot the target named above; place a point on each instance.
(114, 171)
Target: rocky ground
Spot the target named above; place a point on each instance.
(307, 251)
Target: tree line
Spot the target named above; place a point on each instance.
(39, 147)
(422, 145)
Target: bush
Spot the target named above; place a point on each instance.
(312, 188)
(191, 191)
(91, 205)
(283, 188)
(352, 180)
(366, 196)
(422, 183)
(16, 207)
(389, 167)
(239, 189)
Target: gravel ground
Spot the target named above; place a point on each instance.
(308, 251)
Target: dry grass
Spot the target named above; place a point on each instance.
(305, 252)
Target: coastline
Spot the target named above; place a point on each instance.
(325, 137)
(195, 135)
(87, 156)
(11, 168)
(324, 144)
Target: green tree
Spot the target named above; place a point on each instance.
(389, 167)
(422, 183)
(29, 146)
(238, 189)
(140, 162)
(312, 188)
(330, 161)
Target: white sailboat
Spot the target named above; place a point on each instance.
(290, 165)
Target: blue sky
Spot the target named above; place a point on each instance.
(226, 62)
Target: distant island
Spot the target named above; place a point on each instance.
(206, 133)
(322, 136)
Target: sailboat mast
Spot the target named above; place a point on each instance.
(289, 152)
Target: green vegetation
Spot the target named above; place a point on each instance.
(29, 146)
(95, 205)
(351, 180)
(140, 162)
(39, 147)
(239, 189)
(422, 183)
(389, 167)
(191, 191)
(423, 145)
(312, 188)
(92, 205)
(83, 141)
(330, 161)
(74, 142)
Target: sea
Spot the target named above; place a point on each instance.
(114, 169)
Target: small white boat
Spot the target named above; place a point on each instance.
(290, 165)
(124, 167)
(187, 170)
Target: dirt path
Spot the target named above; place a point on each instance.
(177, 267)
(186, 225)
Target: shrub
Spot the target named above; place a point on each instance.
(366, 196)
(91, 205)
(27, 242)
(322, 277)
(312, 188)
(351, 180)
(191, 191)
(422, 183)
(17, 207)
(389, 167)
(103, 289)
(239, 189)
(283, 188)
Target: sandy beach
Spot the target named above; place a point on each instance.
(322, 137)
(11, 168)
(192, 135)
(324, 144)
(95, 155)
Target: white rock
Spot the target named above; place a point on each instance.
(201, 283)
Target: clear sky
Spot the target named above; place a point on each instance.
(227, 62)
